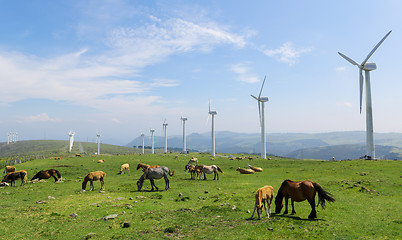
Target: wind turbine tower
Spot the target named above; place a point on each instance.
(98, 141)
(143, 141)
(184, 133)
(367, 67)
(71, 137)
(152, 139)
(165, 131)
(212, 113)
(261, 101)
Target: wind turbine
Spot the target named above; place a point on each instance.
(98, 141)
(71, 137)
(143, 141)
(261, 101)
(367, 67)
(152, 139)
(212, 113)
(165, 131)
(184, 133)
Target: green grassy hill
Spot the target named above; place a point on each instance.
(58, 148)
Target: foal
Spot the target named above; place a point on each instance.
(263, 196)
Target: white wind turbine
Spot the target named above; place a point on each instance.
(152, 140)
(98, 141)
(261, 101)
(71, 138)
(184, 133)
(212, 113)
(143, 141)
(165, 131)
(367, 67)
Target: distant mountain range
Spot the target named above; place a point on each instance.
(341, 145)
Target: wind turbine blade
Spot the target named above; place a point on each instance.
(348, 59)
(361, 89)
(262, 87)
(209, 101)
(254, 97)
(375, 48)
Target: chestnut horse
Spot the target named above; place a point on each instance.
(91, 177)
(263, 197)
(300, 191)
(45, 174)
(146, 166)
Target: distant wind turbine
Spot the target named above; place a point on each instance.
(143, 141)
(152, 140)
(212, 113)
(71, 138)
(261, 101)
(165, 131)
(184, 133)
(367, 67)
(98, 141)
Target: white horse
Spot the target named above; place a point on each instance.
(155, 173)
(210, 169)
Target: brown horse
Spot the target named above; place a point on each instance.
(11, 177)
(125, 167)
(45, 174)
(209, 170)
(300, 191)
(146, 166)
(93, 176)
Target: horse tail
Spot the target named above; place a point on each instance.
(219, 169)
(58, 173)
(323, 195)
(171, 173)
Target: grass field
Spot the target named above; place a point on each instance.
(368, 201)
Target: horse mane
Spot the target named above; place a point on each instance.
(279, 195)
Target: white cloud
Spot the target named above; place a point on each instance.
(286, 53)
(115, 120)
(43, 117)
(340, 69)
(243, 73)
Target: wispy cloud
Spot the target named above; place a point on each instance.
(287, 53)
(43, 117)
(340, 69)
(243, 72)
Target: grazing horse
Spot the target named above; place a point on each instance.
(11, 177)
(193, 160)
(45, 174)
(146, 166)
(155, 173)
(210, 169)
(124, 167)
(191, 170)
(263, 196)
(300, 191)
(9, 169)
(93, 176)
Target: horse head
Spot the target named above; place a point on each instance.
(278, 204)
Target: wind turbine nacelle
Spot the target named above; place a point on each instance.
(370, 66)
(264, 99)
(213, 113)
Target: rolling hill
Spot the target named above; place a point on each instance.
(341, 145)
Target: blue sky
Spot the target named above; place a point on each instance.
(123, 67)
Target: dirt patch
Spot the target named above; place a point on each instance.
(64, 166)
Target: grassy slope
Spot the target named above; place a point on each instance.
(207, 209)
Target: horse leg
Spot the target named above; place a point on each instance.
(265, 207)
(252, 215)
(153, 184)
(55, 178)
(286, 205)
(293, 207)
(102, 184)
(205, 178)
(166, 183)
(215, 175)
(313, 213)
(91, 185)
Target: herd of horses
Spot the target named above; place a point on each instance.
(295, 191)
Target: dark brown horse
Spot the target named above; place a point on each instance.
(300, 191)
(45, 174)
(11, 177)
